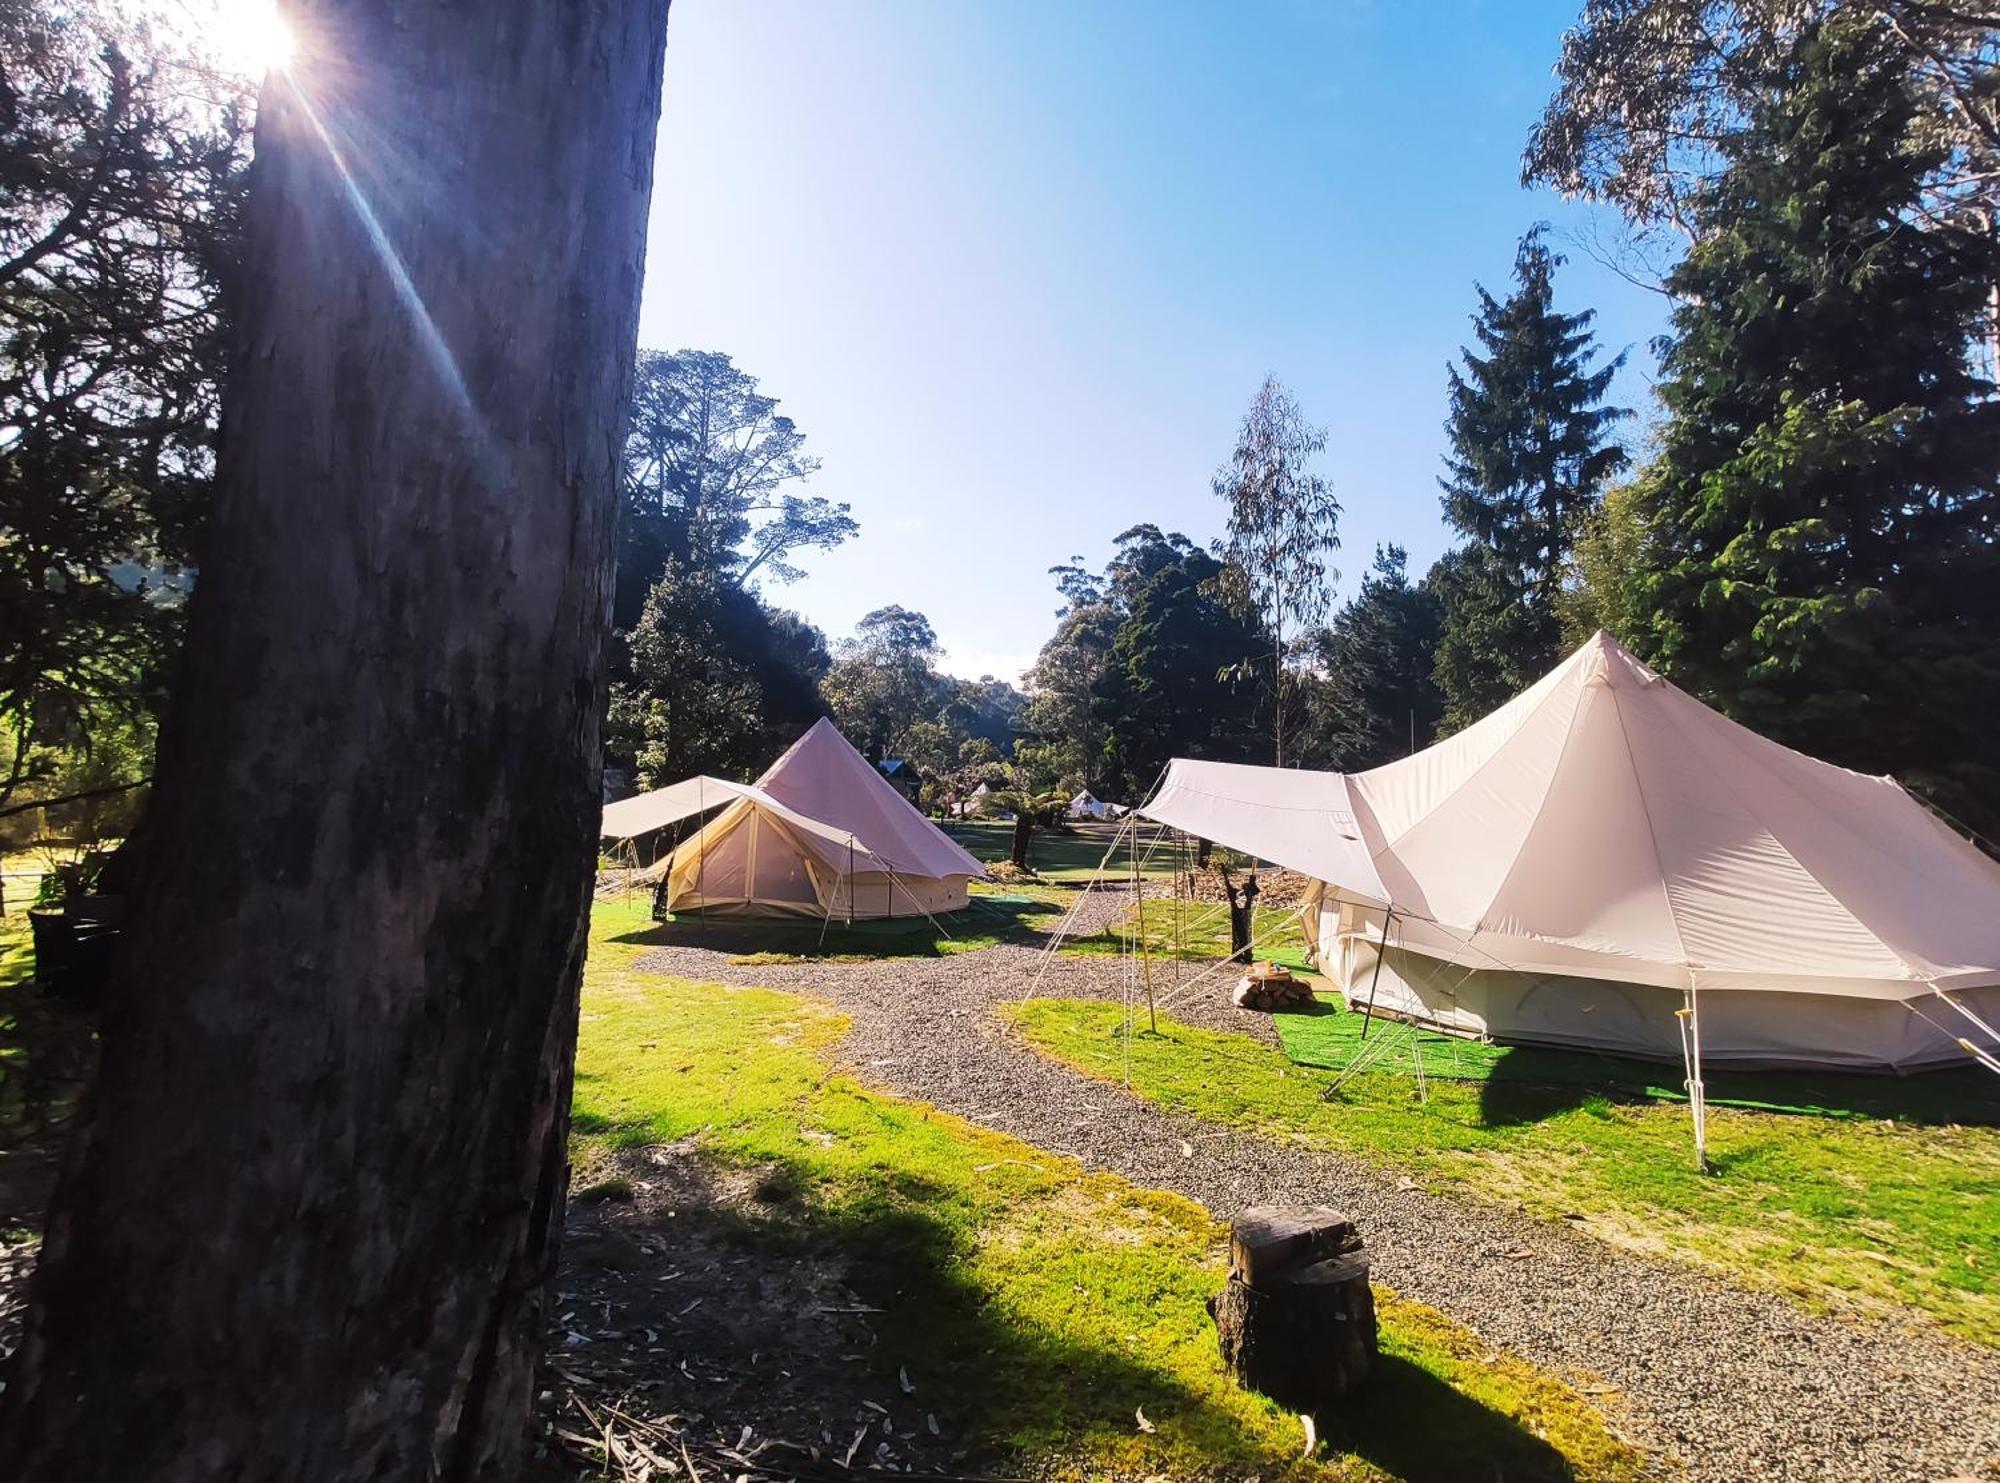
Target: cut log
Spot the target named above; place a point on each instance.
(1297, 1319)
(1269, 987)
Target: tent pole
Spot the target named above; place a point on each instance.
(1381, 952)
(1145, 957)
(1690, 1019)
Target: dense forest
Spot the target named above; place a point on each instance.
(1797, 525)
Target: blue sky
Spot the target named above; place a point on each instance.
(1017, 268)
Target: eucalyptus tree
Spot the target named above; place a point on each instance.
(1284, 525)
(310, 1218)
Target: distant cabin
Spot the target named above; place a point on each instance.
(901, 775)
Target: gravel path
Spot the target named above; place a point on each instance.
(1726, 1382)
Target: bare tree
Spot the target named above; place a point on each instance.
(1283, 523)
(308, 1220)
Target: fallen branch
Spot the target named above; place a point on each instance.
(83, 797)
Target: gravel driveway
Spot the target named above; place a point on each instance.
(1729, 1383)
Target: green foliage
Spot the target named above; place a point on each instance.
(709, 465)
(1170, 686)
(1530, 450)
(1603, 586)
(1819, 556)
(719, 683)
(1038, 1305)
(709, 676)
(1492, 643)
(1380, 699)
(1882, 1215)
(121, 164)
(885, 682)
(1063, 712)
(1652, 94)
(1284, 524)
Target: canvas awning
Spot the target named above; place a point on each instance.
(1304, 821)
(643, 813)
(1606, 824)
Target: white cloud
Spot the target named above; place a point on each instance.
(970, 664)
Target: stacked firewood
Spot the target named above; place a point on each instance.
(1268, 987)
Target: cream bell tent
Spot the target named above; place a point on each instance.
(1603, 853)
(821, 834)
(1086, 805)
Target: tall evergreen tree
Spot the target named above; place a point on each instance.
(1530, 450)
(1822, 557)
(1380, 699)
(1164, 692)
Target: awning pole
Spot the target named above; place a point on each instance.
(1145, 957)
(1381, 952)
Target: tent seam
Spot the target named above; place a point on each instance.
(1465, 782)
(1832, 895)
(1653, 835)
(1520, 849)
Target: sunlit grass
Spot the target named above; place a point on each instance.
(1889, 1216)
(1043, 1304)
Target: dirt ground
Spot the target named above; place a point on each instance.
(779, 1370)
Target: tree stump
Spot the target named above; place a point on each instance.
(1297, 1319)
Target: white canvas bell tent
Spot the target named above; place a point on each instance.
(1086, 805)
(821, 834)
(1604, 860)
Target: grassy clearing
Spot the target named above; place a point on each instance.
(1044, 1306)
(997, 914)
(1069, 857)
(1327, 1039)
(1891, 1216)
(1194, 931)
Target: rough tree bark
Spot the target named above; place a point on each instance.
(305, 1229)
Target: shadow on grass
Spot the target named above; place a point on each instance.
(988, 920)
(1021, 1393)
(1527, 1084)
(48, 1055)
(1523, 1084)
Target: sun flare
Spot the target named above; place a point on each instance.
(249, 36)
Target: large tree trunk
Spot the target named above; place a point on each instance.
(306, 1226)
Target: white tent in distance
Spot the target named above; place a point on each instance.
(820, 834)
(1604, 855)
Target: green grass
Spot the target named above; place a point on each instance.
(1326, 1038)
(1884, 1215)
(1072, 856)
(996, 914)
(1195, 931)
(1043, 1304)
(47, 1047)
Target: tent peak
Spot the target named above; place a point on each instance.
(1605, 661)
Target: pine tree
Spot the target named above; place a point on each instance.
(1530, 450)
(1380, 700)
(1821, 543)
